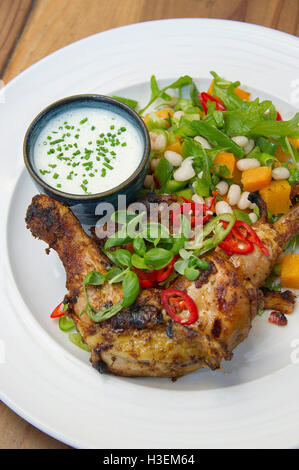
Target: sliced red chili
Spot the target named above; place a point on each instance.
(252, 236)
(242, 232)
(151, 279)
(58, 312)
(205, 97)
(176, 303)
(146, 279)
(278, 116)
(210, 206)
(231, 244)
(198, 211)
(164, 273)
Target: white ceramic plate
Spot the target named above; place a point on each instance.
(45, 378)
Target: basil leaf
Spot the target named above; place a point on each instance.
(135, 226)
(123, 216)
(114, 275)
(105, 313)
(154, 230)
(178, 244)
(180, 266)
(111, 257)
(194, 261)
(130, 289)
(158, 258)
(123, 257)
(191, 273)
(139, 246)
(94, 278)
(138, 262)
(119, 238)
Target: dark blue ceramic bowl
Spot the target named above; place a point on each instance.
(84, 206)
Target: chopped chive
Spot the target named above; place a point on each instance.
(84, 120)
(108, 166)
(56, 141)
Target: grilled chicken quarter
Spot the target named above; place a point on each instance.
(143, 340)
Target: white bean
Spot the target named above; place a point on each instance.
(198, 199)
(178, 114)
(253, 217)
(252, 205)
(154, 163)
(244, 202)
(173, 157)
(222, 187)
(246, 163)
(280, 173)
(149, 182)
(203, 142)
(185, 171)
(223, 208)
(158, 141)
(241, 140)
(234, 194)
(249, 146)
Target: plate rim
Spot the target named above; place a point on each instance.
(27, 416)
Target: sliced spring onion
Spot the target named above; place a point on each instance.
(66, 324)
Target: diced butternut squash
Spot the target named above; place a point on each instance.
(277, 196)
(294, 142)
(226, 159)
(244, 95)
(290, 271)
(175, 147)
(255, 179)
(237, 176)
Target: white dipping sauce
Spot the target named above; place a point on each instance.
(87, 151)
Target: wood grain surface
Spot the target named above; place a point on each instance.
(32, 29)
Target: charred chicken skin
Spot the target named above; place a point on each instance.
(142, 340)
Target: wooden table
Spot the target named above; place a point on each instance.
(32, 29)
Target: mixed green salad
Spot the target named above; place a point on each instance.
(211, 149)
